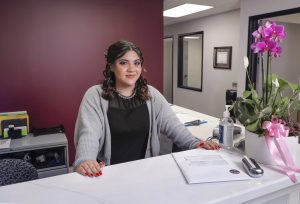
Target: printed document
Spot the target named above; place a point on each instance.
(200, 166)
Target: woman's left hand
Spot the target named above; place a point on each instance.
(209, 145)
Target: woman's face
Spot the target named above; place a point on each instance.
(127, 70)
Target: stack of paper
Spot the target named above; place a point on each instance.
(199, 166)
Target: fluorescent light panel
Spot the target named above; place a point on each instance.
(185, 9)
(191, 37)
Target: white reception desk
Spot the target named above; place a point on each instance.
(155, 180)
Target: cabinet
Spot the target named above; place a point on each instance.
(48, 153)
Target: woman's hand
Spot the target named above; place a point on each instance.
(210, 145)
(90, 168)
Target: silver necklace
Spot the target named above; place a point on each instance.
(126, 97)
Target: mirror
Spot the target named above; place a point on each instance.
(287, 65)
(190, 61)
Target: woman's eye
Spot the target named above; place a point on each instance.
(137, 63)
(123, 62)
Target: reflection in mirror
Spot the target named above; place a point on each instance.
(190, 61)
(287, 66)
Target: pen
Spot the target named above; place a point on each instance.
(195, 123)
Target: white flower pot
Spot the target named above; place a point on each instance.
(257, 148)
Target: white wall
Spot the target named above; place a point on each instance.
(252, 8)
(219, 30)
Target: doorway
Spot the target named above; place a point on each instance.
(168, 69)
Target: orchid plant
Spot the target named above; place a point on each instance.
(252, 110)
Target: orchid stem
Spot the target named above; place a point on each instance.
(267, 77)
(262, 75)
(270, 71)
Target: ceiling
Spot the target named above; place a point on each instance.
(220, 6)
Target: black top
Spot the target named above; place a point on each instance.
(129, 124)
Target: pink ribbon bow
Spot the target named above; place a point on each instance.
(276, 131)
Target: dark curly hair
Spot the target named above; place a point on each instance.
(114, 52)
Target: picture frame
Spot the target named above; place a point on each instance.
(222, 57)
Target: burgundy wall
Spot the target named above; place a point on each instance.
(51, 51)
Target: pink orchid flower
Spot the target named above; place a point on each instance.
(259, 47)
(276, 51)
(267, 38)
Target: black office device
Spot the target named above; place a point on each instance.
(46, 131)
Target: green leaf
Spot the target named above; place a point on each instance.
(252, 95)
(266, 112)
(254, 127)
(255, 97)
(284, 84)
(246, 94)
(282, 106)
(294, 87)
(245, 110)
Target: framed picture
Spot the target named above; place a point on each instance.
(222, 57)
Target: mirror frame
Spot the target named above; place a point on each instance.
(253, 25)
(180, 62)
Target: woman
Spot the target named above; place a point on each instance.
(121, 120)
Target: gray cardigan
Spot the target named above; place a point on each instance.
(92, 133)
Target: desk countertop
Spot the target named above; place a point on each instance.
(154, 180)
(202, 131)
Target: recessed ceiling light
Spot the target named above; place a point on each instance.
(185, 9)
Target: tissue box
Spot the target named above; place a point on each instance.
(14, 124)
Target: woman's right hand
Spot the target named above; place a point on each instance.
(90, 168)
